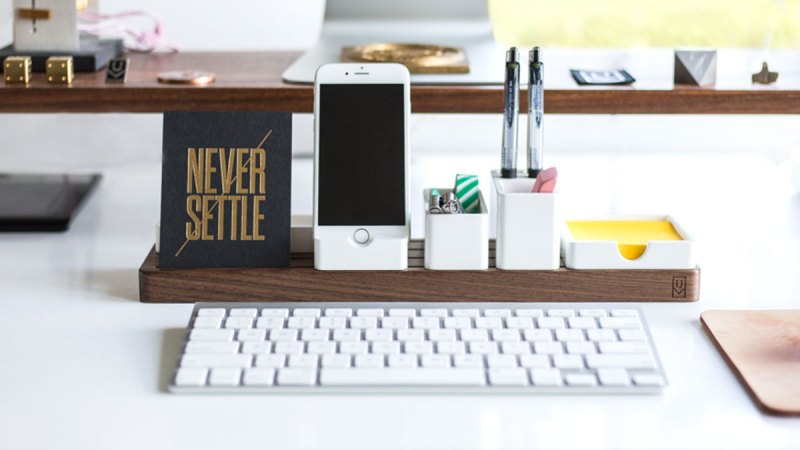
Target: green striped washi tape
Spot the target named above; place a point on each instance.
(467, 192)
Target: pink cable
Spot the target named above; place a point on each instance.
(143, 41)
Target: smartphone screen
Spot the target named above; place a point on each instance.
(361, 171)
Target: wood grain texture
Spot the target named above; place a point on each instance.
(252, 81)
(762, 349)
(302, 283)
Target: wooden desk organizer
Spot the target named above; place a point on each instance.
(301, 282)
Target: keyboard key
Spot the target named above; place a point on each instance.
(466, 313)
(239, 322)
(211, 312)
(515, 348)
(502, 313)
(258, 377)
(369, 312)
(297, 377)
(505, 335)
(582, 323)
(620, 361)
(270, 322)
(256, 347)
(321, 347)
(429, 312)
(336, 361)
(580, 379)
(550, 323)
(346, 335)
(243, 312)
(534, 361)
(426, 323)
(301, 322)
(545, 377)
(643, 379)
(306, 312)
(394, 323)
(330, 323)
(468, 361)
(458, 322)
(225, 377)
(624, 313)
(275, 312)
(569, 335)
(353, 347)
(519, 323)
(379, 334)
(632, 335)
(548, 348)
(435, 361)
(418, 348)
(450, 348)
(601, 335)
(501, 361)
(360, 323)
(472, 335)
(410, 335)
(385, 347)
(402, 312)
(315, 334)
(620, 322)
(283, 335)
(402, 361)
(201, 334)
(508, 377)
(251, 335)
(440, 335)
(538, 335)
(534, 313)
(482, 348)
(289, 347)
(338, 312)
(191, 376)
(206, 347)
(613, 377)
(560, 313)
(568, 361)
(368, 361)
(623, 347)
(207, 322)
(488, 322)
(402, 377)
(592, 313)
(307, 361)
(214, 361)
(581, 348)
(273, 361)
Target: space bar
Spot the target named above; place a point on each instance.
(402, 377)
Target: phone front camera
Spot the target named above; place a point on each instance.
(347, 73)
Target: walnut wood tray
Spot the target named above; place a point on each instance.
(301, 282)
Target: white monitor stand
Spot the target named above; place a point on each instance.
(462, 23)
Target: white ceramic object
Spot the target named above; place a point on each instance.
(528, 226)
(456, 241)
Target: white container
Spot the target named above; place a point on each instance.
(456, 241)
(659, 254)
(528, 226)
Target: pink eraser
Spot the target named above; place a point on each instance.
(546, 181)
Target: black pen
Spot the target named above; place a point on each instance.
(510, 115)
(535, 112)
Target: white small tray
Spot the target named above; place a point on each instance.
(659, 254)
(456, 241)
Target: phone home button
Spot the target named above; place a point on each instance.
(361, 236)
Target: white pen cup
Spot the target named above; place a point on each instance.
(528, 228)
(456, 241)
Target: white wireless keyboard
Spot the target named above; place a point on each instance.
(417, 347)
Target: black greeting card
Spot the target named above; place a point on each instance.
(226, 189)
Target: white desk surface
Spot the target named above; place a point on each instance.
(83, 361)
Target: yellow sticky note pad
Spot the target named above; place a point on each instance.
(632, 236)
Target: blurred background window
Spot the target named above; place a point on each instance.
(647, 23)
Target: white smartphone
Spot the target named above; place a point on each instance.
(361, 147)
